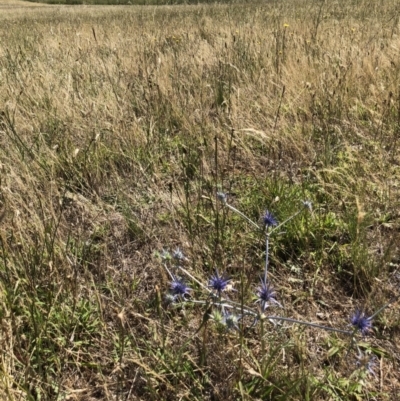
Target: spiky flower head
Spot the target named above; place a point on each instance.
(179, 288)
(217, 316)
(266, 295)
(269, 219)
(164, 255)
(307, 204)
(371, 365)
(361, 322)
(367, 362)
(177, 254)
(230, 320)
(169, 299)
(222, 197)
(218, 283)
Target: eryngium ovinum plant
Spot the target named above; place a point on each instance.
(230, 314)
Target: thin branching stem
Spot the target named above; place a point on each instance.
(285, 319)
(223, 305)
(242, 215)
(183, 270)
(168, 271)
(383, 307)
(288, 319)
(285, 221)
(266, 257)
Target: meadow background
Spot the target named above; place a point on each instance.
(118, 125)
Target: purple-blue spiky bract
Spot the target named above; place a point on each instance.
(266, 294)
(218, 283)
(179, 288)
(361, 322)
(269, 219)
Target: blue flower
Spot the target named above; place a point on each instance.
(361, 322)
(179, 288)
(218, 283)
(269, 219)
(266, 294)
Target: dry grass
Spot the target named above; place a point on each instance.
(117, 126)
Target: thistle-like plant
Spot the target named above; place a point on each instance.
(179, 288)
(178, 255)
(361, 322)
(266, 295)
(269, 220)
(218, 283)
(227, 312)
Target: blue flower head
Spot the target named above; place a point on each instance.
(179, 288)
(218, 283)
(361, 322)
(266, 295)
(269, 219)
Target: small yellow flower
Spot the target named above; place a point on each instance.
(286, 25)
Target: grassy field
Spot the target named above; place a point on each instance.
(119, 125)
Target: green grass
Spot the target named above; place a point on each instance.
(118, 125)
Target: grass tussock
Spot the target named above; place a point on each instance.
(117, 128)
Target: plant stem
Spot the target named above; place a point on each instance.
(285, 221)
(287, 319)
(242, 215)
(384, 307)
(194, 279)
(266, 257)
